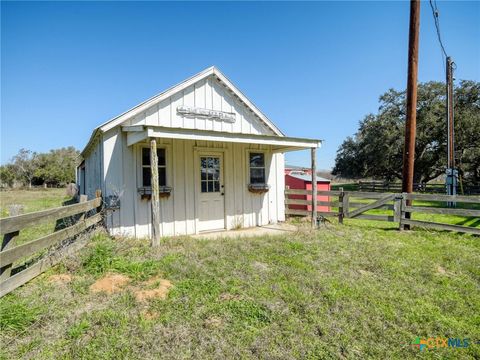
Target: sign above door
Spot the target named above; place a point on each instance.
(206, 113)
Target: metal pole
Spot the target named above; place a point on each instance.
(411, 121)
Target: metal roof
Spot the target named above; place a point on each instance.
(307, 177)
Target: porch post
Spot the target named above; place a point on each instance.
(155, 193)
(314, 187)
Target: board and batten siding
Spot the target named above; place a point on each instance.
(115, 168)
(208, 93)
(178, 212)
(94, 169)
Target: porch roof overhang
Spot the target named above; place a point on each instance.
(139, 133)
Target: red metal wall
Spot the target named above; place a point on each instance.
(295, 183)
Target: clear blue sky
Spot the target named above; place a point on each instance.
(315, 69)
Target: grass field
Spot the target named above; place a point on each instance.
(33, 200)
(359, 290)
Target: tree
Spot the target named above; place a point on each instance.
(57, 167)
(7, 175)
(467, 130)
(377, 147)
(25, 163)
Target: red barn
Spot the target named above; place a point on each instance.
(298, 178)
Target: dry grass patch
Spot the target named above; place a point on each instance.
(60, 278)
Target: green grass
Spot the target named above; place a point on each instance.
(361, 290)
(16, 313)
(346, 187)
(101, 258)
(33, 200)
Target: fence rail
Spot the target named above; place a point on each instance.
(384, 186)
(81, 217)
(355, 204)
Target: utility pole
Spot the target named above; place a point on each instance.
(452, 173)
(411, 121)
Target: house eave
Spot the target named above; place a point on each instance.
(95, 134)
(136, 134)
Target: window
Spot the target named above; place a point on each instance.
(146, 171)
(210, 174)
(257, 168)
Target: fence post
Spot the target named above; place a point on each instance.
(7, 243)
(403, 204)
(82, 199)
(314, 187)
(397, 208)
(98, 194)
(340, 206)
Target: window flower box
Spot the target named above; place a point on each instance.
(258, 188)
(146, 192)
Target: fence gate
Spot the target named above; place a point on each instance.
(352, 209)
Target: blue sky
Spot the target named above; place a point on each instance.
(315, 69)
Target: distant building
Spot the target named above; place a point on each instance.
(297, 177)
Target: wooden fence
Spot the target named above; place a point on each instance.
(385, 186)
(71, 221)
(399, 207)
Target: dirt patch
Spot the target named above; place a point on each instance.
(441, 270)
(110, 283)
(150, 315)
(156, 281)
(260, 266)
(365, 272)
(159, 292)
(60, 278)
(213, 322)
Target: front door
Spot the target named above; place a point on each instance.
(211, 209)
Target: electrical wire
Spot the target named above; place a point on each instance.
(434, 7)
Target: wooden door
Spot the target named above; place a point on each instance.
(211, 207)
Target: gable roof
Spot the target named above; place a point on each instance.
(177, 88)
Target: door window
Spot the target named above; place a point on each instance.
(210, 174)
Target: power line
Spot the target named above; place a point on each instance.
(434, 7)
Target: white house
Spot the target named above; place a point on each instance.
(220, 162)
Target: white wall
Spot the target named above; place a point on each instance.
(178, 212)
(115, 167)
(208, 94)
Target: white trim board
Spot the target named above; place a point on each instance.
(283, 143)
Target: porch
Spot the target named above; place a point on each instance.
(234, 180)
